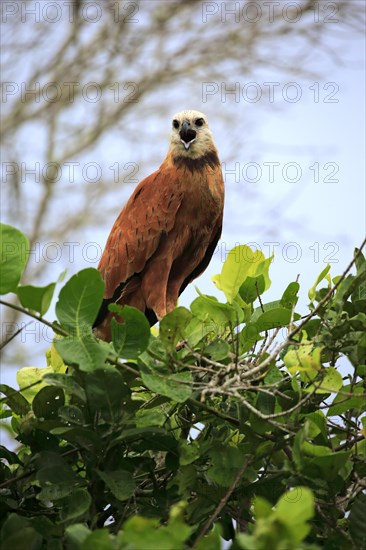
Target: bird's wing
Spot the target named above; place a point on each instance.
(149, 213)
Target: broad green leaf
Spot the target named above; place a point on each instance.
(71, 414)
(64, 381)
(305, 359)
(30, 380)
(172, 327)
(315, 450)
(150, 417)
(289, 298)
(342, 403)
(212, 541)
(132, 337)
(262, 508)
(357, 523)
(360, 260)
(15, 400)
(60, 475)
(321, 276)
(240, 263)
(248, 337)
(74, 505)
(251, 288)
(226, 462)
(47, 402)
(188, 453)
(327, 466)
(208, 308)
(14, 251)
(217, 350)
(175, 386)
(120, 482)
(79, 301)
(316, 424)
(36, 298)
(99, 539)
(296, 506)
(86, 351)
(75, 535)
(82, 437)
(107, 393)
(332, 382)
(274, 318)
(55, 492)
(23, 539)
(145, 533)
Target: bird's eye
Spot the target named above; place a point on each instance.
(199, 122)
(175, 123)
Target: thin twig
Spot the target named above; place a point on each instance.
(222, 502)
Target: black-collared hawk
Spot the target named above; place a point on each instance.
(166, 233)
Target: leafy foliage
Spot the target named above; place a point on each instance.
(232, 411)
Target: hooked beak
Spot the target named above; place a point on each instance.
(187, 135)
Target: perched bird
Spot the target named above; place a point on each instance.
(166, 233)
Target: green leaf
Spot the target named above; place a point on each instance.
(341, 403)
(217, 350)
(274, 318)
(332, 382)
(296, 506)
(252, 288)
(212, 541)
(15, 401)
(107, 393)
(248, 337)
(188, 453)
(323, 273)
(120, 482)
(14, 250)
(357, 523)
(208, 308)
(132, 337)
(65, 381)
(240, 263)
(31, 380)
(146, 534)
(36, 298)
(172, 327)
(226, 462)
(86, 351)
(74, 505)
(100, 539)
(79, 301)
(47, 402)
(305, 359)
(71, 414)
(315, 450)
(150, 417)
(175, 386)
(262, 508)
(289, 298)
(75, 535)
(327, 466)
(17, 534)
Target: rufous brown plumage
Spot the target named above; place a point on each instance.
(166, 233)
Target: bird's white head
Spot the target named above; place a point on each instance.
(190, 136)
